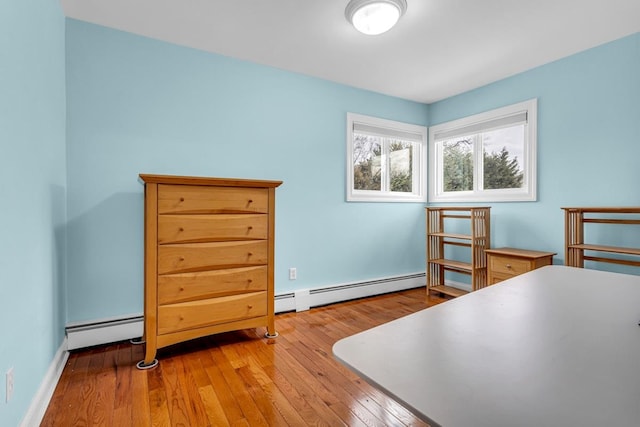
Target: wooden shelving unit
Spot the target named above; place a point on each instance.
(575, 246)
(477, 240)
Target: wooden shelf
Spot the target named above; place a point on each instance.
(605, 248)
(476, 241)
(453, 236)
(450, 264)
(575, 219)
(448, 290)
(606, 209)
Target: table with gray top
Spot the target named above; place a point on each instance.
(558, 346)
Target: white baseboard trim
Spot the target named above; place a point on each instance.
(41, 400)
(82, 335)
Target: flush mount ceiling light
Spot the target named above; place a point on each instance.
(374, 17)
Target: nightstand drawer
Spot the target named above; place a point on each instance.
(499, 277)
(509, 265)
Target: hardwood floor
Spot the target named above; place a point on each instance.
(239, 378)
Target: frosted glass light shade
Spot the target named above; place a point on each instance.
(374, 17)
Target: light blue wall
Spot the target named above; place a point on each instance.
(588, 143)
(137, 105)
(32, 190)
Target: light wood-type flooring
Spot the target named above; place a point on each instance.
(239, 378)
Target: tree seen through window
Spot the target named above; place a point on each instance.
(501, 169)
(369, 169)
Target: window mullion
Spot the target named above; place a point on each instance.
(438, 163)
(384, 165)
(416, 179)
(478, 163)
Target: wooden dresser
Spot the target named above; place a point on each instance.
(209, 258)
(505, 263)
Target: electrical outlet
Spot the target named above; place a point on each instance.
(9, 385)
(293, 273)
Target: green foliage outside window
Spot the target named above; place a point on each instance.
(458, 166)
(367, 174)
(367, 170)
(500, 171)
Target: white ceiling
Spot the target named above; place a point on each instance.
(438, 49)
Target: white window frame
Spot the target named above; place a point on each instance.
(398, 130)
(484, 122)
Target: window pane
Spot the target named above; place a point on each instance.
(386, 160)
(457, 159)
(367, 152)
(503, 158)
(400, 162)
(489, 156)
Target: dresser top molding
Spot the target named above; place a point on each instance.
(200, 180)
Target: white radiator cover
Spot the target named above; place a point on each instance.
(304, 299)
(87, 334)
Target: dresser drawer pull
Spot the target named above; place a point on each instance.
(249, 307)
(250, 227)
(508, 266)
(181, 229)
(181, 258)
(182, 199)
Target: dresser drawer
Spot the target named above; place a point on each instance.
(194, 314)
(207, 228)
(208, 284)
(509, 265)
(190, 257)
(198, 199)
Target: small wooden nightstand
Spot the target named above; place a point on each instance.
(505, 263)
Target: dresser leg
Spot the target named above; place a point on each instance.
(137, 341)
(144, 366)
(150, 360)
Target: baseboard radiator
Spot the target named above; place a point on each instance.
(87, 334)
(81, 335)
(305, 299)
